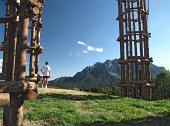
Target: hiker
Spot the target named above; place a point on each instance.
(46, 71)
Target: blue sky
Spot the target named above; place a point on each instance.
(79, 33)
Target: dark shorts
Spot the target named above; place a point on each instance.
(46, 77)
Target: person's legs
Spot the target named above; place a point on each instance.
(43, 82)
(46, 82)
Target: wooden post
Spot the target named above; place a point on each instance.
(17, 99)
(37, 53)
(12, 39)
(39, 50)
(6, 110)
(33, 46)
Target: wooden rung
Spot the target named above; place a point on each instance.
(34, 47)
(34, 79)
(11, 87)
(4, 19)
(5, 98)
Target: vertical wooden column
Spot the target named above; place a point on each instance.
(135, 42)
(10, 61)
(130, 35)
(122, 55)
(120, 38)
(5, 55)
(17, 99)
(33, 47)
(38, 45)
(6, 110)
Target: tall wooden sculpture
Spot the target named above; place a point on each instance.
(134, 49)
(20, 16)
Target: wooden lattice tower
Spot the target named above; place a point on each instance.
(21, 15)
(134, 49)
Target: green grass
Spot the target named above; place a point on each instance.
(69, 110)
(1, 113)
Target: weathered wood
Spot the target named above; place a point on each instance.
(20, 69)
(17, 98)
(20, 86)
(34, 13)
(6, 114)
(6, 109)
(5, 19)
(40, 48)
(134, 49)
(35, 3)
(36, 10)
(1, 48)
(16, 109)
(18, 15)
(10, 63)
(33, 47)
(4, 99)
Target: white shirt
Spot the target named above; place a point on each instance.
(46, 70)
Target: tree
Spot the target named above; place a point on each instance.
(162, 86)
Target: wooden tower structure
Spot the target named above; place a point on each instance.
(23, 17)
(134, 49)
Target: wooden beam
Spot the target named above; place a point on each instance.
(5, 19)
(20, 86)
(4, 99)
(1, 47)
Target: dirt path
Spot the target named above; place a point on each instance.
(61, 91)
(4, 98)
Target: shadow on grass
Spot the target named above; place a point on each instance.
(77, 97)
(153, 121)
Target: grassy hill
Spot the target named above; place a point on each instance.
(66, 108)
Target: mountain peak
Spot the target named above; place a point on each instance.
(105, 74)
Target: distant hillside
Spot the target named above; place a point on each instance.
(105, 74)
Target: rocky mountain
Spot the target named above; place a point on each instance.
(105, 74)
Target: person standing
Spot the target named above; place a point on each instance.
(46, 71)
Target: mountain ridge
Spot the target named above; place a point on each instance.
(106, 74)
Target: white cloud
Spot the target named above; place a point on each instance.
(81, 43)
(99, 50)
(90, 48)
(85, 51)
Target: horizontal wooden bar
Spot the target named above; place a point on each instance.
(5, 19)
(38, 49)
(31, 79)
(5, 98)
(11, 87)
